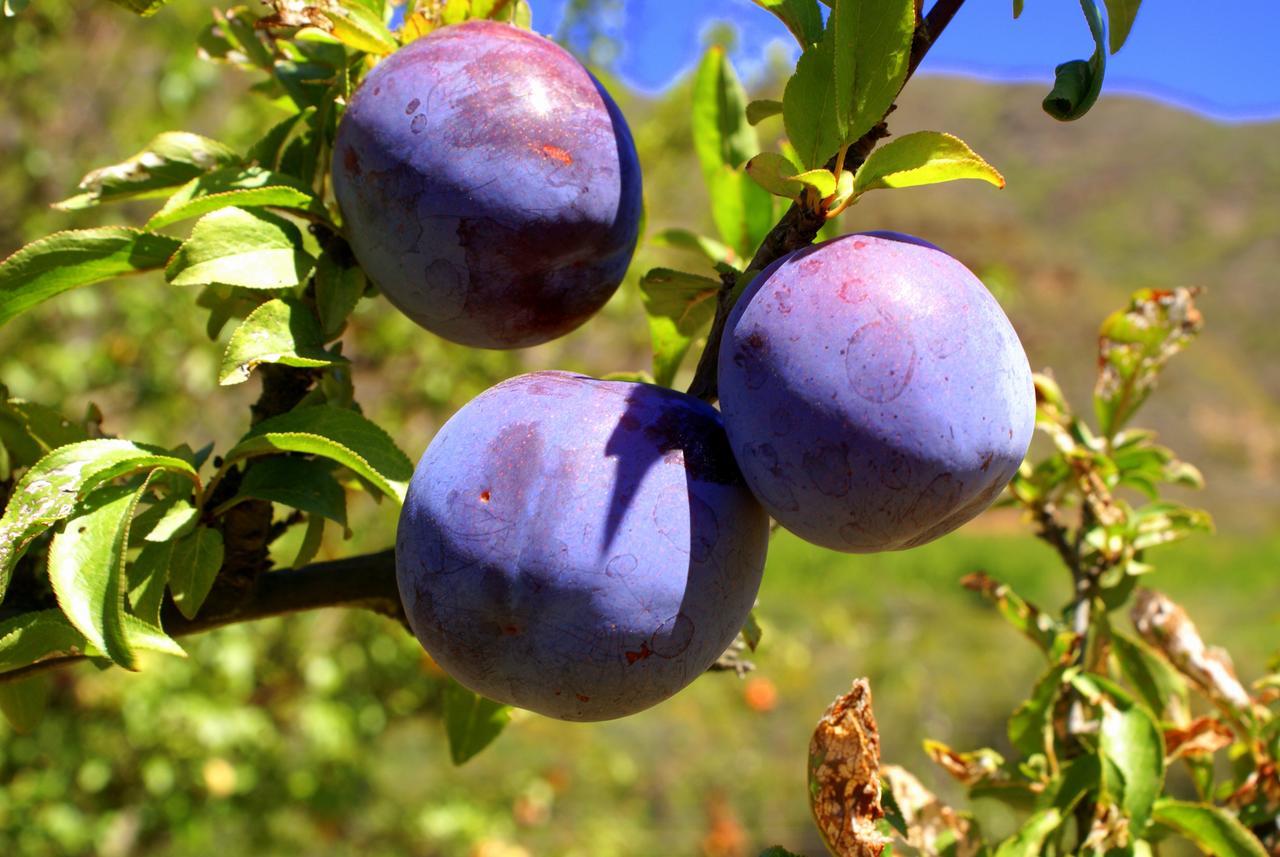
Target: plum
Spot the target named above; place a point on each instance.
(874, 392)
(577, 547)
(489, 185)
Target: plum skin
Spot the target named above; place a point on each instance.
(489, 185)
(874, 392)
(580, 548)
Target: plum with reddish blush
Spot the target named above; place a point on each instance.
(577, 547)
(874, 392)
(489, 185)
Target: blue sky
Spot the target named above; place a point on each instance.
(1222, 64)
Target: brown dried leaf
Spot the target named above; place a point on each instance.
(844, 776)
(927, 818)
(1204, 736)
(1168, 628)
(968, 768)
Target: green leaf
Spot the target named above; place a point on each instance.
(240, 187)
(776, 174)
(679, 306)
(1160, 686)
(721, 134)
(471, 722)
(311, 541)
(266, 153)
(23, 702)
(802, 17)
(741, 210)
(15, 7)
(711, 249)
(147, 577)
(1212, 829)
(170, 160)
(337, 291)
(177, 521)
(1079, 777)
(1032, 622)
(355, 25)
(751, 631)
(1132, 749)
(142, 8)
(1120, 15)
(1134, 344)
(51, 489)
(338, 434)
(1161, 523)
(871, 52)
(241, 247)
(762, 109)
(194, 565)
(1031, 724)
(1030, 838)
(30, 431)
(67, 260)
(279, 331)
(32, 637)
(143, 635)
(925, 157)
(86, 568)
(1077, 83)
(301, 483)
(809, 104)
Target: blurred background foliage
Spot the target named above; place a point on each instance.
(320, 734)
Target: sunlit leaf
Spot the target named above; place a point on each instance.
(922, 158)
(86, 568)
(1120, 15)
(802, 18)
(1212, 829)
(51, 489)
(170, 160)
(871, 50)
(721, 134)
(1132, 750)
(1134, 344)
(67, 260)
(280, 331)
(240, 187)
(338, 434)
(249, 248)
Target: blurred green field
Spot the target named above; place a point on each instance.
(320, 734)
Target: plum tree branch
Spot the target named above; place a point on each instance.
(799, 226)
(367, 581)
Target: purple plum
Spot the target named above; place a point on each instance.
(874, 393)
(580, 548)
(489, 184)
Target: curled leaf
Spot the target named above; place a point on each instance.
(1168, 628)
(844, 776)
